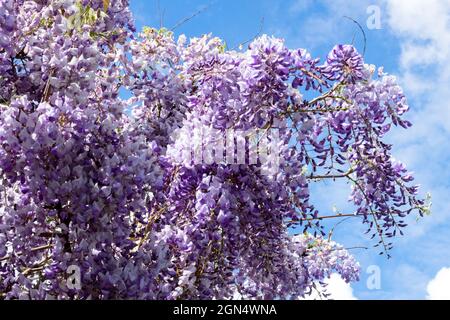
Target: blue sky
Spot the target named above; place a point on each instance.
(414, 44)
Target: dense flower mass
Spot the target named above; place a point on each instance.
(344, 64)
(107, 184)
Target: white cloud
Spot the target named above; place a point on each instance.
(439, 287)
(337, 288)
(423, 19)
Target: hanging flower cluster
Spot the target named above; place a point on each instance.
(107, 184)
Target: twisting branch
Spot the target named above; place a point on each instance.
(261, 27)
(362, 31)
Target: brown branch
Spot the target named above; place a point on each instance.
(325, 95)
(336, 176)
(341, 215)
(261, 27)
(334, 216)
(46, 93)
(40, 248)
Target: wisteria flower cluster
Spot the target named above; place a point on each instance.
(91, 179)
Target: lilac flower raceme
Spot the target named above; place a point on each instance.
(344, 63)
(110, 185)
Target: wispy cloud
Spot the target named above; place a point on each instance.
(313, 24)
(423, 29)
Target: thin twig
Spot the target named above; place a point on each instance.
(158, 9)
(261, 27)
(334, 216)
(362, 31)
(184, 20)
(40, 248)
(357, 247)
(335, 226)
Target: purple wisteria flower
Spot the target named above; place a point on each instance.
(344, 63)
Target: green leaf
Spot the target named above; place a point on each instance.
(223, 47)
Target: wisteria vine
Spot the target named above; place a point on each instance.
(91, 179)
